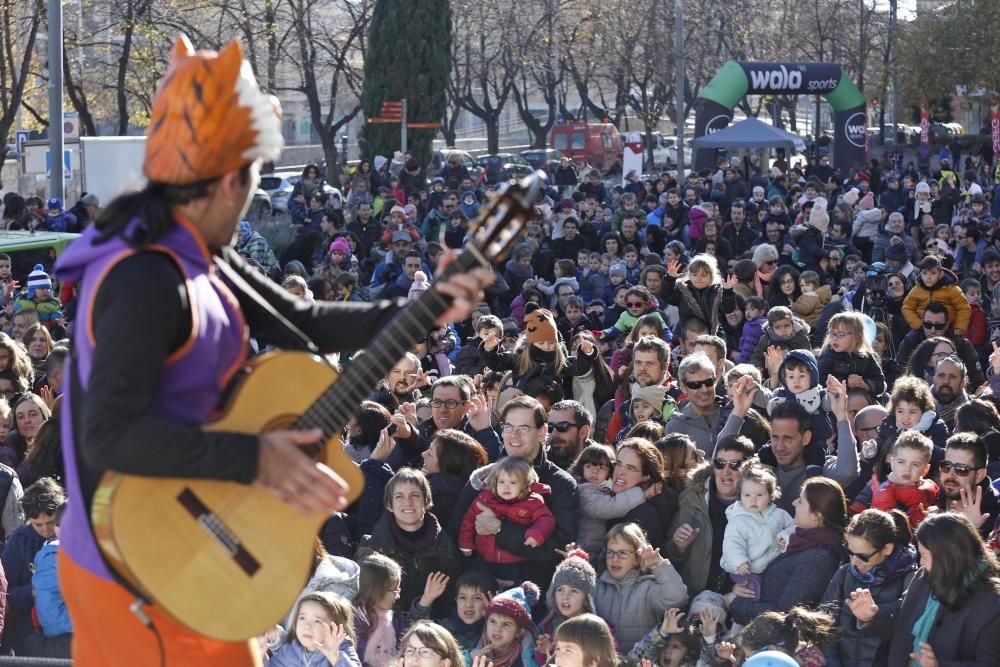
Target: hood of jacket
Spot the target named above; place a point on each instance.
(948, 278)
(799, 327)
(805, 357)
(699, 478)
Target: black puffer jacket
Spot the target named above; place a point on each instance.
(855, 648)
(842, 364)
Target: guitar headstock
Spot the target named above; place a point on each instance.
(498, 227)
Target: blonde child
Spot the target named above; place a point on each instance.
(322, 627)
(375, 627)
(585, 641)
(509, 635)
(814, 297)
(570, 594)
(5, 420)
(701, 294)
(848, 356)
(426, 641)
(512, 492)
(296, 286)
(754, 527)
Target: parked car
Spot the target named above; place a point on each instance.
(546, 159)
(504, 166)
(260, 207)
(597, 144)
(279, 185)
(469, 162)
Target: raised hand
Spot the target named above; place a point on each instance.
(491, 339)
(480, 415)
(572, 546)
(995, 355)
(653, 490)
(862, 605)
(481, 660)
(744, 390)
(726, 651)
(544, 645)
(772, 360)
(329, 645)
(671, 622)
(971, 506)
(409, 412)
(416, 381)
(586, 347)
(674, 269)
(838, 397)
(710, 617)
(731, 282)
(384, 446)
(649, 558)
(434, 588)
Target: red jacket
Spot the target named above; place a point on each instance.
(530, 511)
(914, 500)
(977, 327)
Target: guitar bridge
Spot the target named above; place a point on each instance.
(218, 531)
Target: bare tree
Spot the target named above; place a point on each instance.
(19, 24)
(536, 50)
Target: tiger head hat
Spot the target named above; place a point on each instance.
(209, 117)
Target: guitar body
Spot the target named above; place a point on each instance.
(227, 560)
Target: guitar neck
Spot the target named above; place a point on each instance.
(332, 410)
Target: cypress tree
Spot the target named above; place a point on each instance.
(408, 55)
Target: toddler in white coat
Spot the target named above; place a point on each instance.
(754, 527)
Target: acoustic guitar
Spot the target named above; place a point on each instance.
(229, 560)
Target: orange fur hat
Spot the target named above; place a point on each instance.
(209, 117)
(540, 326)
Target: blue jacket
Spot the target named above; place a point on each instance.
(293, 655)
(49, 603)
(752, 331)
(18, 557)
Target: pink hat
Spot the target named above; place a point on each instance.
(867, 202)
(851, 197)
(339, 244)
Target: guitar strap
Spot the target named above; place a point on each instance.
(239, 284)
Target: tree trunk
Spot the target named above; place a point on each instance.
(493, 132)
(78, 98)
(123, 62)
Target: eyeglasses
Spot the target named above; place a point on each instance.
(424, 652)
(841, 334)
(694, 385)
(720, 464)
(864, 558)
(520, 429)
(627, 466)
(961, 470)
(935, 325)
(450, 404)
(771, 262)
(562, 427)
(635, 304)
(619, 555)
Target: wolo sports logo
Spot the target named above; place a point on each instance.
(855, 129)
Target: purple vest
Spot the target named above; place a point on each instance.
(194, 376)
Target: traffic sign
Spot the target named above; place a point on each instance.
(67, 165)
(20, 137)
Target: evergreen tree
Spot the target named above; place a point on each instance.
(408, 55)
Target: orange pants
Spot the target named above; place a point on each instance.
(107, 634)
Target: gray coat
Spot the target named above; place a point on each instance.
(695, 563)
(702, 430)
(637, 602)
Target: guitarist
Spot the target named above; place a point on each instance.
(160, 332)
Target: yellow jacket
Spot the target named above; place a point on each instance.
(947, 292)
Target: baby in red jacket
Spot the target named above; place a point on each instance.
(907, 488)
(512, 493)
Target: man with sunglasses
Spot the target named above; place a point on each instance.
(699, 419)
(569, 424)
(697, 529)
(936, 322)
(965, 486)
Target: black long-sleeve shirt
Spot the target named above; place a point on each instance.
(140, 317)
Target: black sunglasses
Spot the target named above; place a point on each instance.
(698, 384)
(635, 304)
(960, 469)
(935, 325)
(562, 427)
(720, 464)
(864, 558)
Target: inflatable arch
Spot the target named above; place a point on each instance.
(715, 103)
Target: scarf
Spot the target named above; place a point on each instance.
(823, 537)
(760, 283)
(419, 540)
(946, 411)
(381, 645)
(922, 628)
(505, 659)
(902, 557)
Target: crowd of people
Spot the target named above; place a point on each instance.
(748, 417)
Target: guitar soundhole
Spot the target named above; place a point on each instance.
(214, 527)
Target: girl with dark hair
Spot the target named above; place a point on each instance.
(883, 560)
(950, 614)
(814, 551)
(449, 463)
(799, 633)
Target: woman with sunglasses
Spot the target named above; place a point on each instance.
(950, 613)
(883, 560)
(711, 487)
(765, 256)
(926, 356)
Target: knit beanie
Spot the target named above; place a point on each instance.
(618, 269)
(896, 250)
(515, 603)
(923, 187)
(818, 217)
(867, 202)
(540, 326)
(339, 244)
(707, 600)
(576, 572)
(245, 231)
(38, 279)
(419, 285)
(652, 394)
(851, 197)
